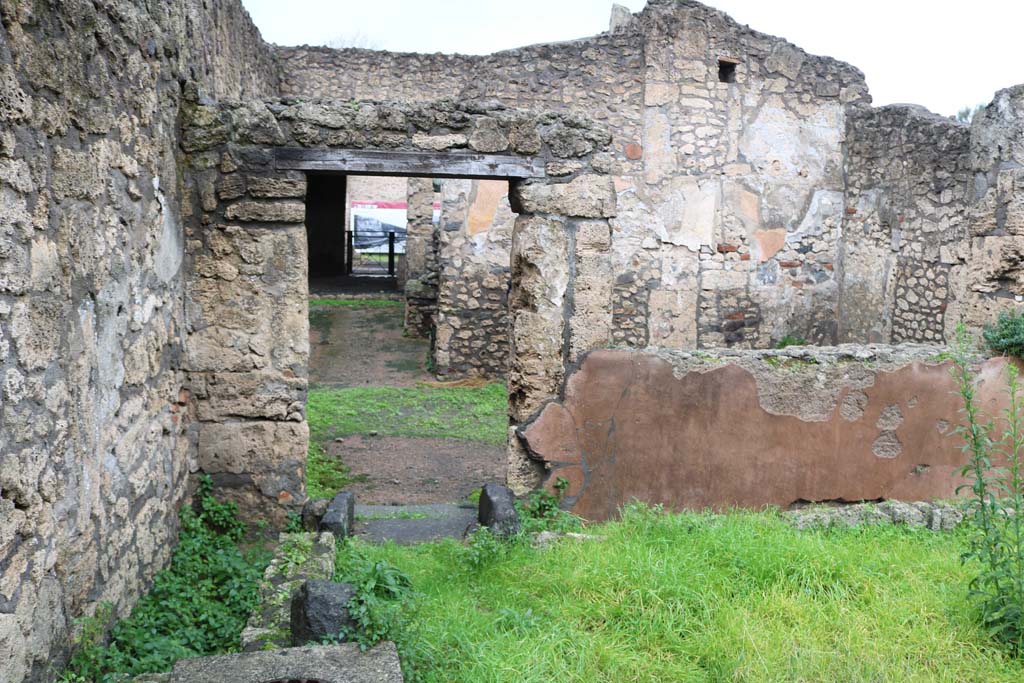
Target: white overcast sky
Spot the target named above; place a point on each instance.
(941, 54)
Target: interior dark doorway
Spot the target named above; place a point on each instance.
(355, 245)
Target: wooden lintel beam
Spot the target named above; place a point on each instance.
(418, 164)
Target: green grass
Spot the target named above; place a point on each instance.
(357, 303)
(738, 597)
(325, 476)
(470, 413)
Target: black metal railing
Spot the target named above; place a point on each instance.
(373, 252)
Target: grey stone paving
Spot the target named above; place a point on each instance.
(343, 663)
(409, 524)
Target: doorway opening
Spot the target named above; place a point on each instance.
(401, 413)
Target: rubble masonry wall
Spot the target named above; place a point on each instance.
(96, 438)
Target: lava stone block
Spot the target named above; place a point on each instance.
(320, 611)
(497, 510)
(340, 516)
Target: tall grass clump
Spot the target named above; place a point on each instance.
(997, 501)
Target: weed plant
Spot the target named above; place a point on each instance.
(197, 606)
(996, 484)
(1006, 335)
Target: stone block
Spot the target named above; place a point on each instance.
(269, 456)
(488, 137)
(298, 558)
(231, 187)
(313, 511)
(276, 188)
(497, 510)
(340, 516)
(587, 196)
(267, 212)
(572, 141)
(344, 663)
(261, 394)
(439, 143)
(319, 611)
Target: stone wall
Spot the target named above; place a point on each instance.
(987, 269)
(731, 193)
(95, 442)
(760, 196)
(475, 242)
(904, 224)
(756, 428)
(420, 259)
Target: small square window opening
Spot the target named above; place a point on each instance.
(726, 71)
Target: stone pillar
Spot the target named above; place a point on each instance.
(248, 335)
(420, 259)
(557, 246)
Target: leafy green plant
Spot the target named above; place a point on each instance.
(483, 548)
(221, 518)
(296, 549)
(541, 511)
(88, 644)
(196, 607)
(382, 601)
(790, 340)
(997, 502)
(1006, 335)
(293, 525)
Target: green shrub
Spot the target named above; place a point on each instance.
(1006, 336)
(997, 503)
(483, 548)
(790, 340)
(197, 606)
(293, 525)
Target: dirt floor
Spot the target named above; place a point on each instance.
(358, 347)
(364, 347)
(391, 470)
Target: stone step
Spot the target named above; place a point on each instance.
(344, 663)
(411, 524)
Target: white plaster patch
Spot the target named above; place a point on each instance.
(690, 211)
(170, 250)
(659, 156)
(793, 154)
(824, 214)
